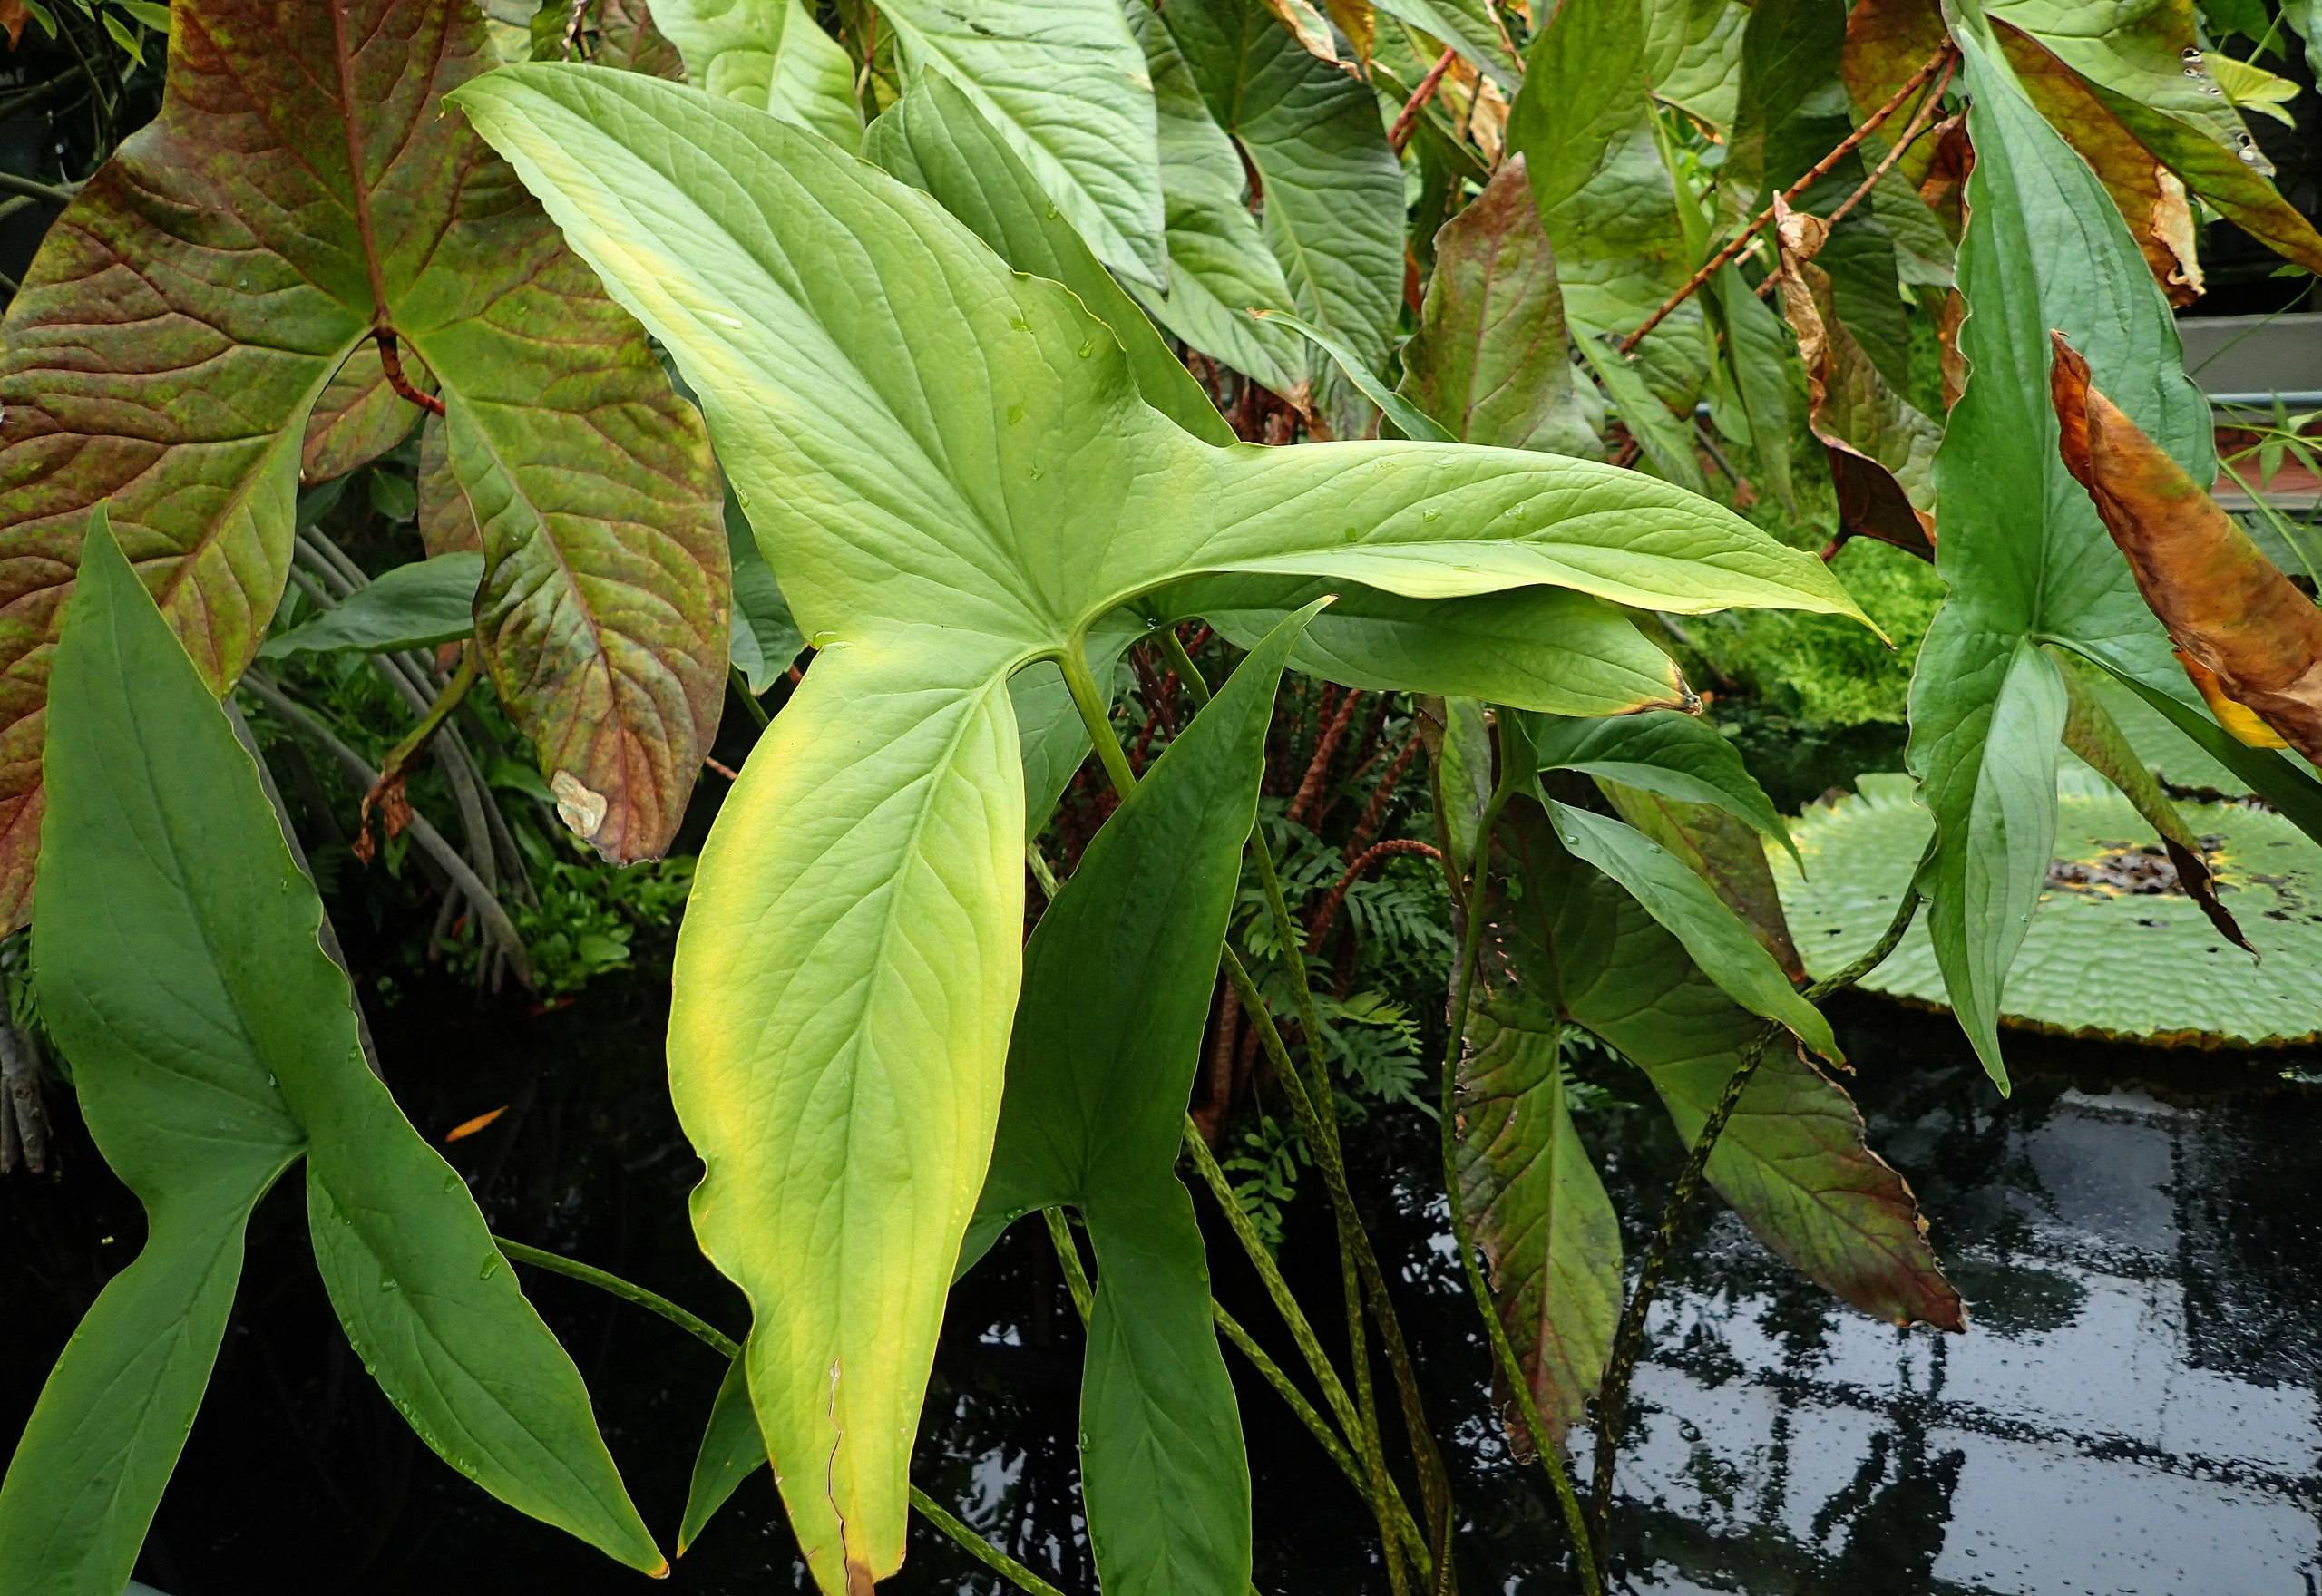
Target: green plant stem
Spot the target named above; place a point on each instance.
(1315, 1104)
(1628, 1341)
(446, 701)
(1094, 716)
(1068, 1254)
(32, 189)
(977, 1547)
(750, 699)
(1511, 1369)
(725, 1347)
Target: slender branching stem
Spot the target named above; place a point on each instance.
(1544, 1442)
(725, 1347)
(1628, 1341)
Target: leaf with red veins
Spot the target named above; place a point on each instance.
(300, 188)
(359, 418)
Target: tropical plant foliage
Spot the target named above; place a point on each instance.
(933, 383)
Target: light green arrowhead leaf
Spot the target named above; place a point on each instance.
(2025, 557)
(211, 1042)
(1064, 83)
(414, 605)
(769, 54)
(951, 468)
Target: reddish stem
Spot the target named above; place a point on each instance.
(1399, 134)
(391, 363)
(1363, 861)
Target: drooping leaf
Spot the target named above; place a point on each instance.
(770, 54)
(1881, 447)
(1540, 1212)
(299, 190)
(1117, 980)
(1667, 441)
(211, 1042)
(1584, 123)
(1713, 935)
(1064, 83)
(1791, 1161)
(949, 493)
(414, 605)
(2141, 59)
(1489, 360)
(1332, 191)
(2021, 550)
(1220, 265)
(1761, 358)
(1724, 851)
(934, 139)
(1408, 419)
(2118, 948)
(731, 1451)
(1678, 756)
(2097, 740)
(2225, 605)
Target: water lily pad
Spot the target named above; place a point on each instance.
(2117, 950)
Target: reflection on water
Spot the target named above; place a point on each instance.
(2133, 1411)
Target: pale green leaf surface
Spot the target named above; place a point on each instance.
(1063, 82)
(769, 54)
(950, 467)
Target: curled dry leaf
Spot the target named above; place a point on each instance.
(2228, 609)
(1881, 447)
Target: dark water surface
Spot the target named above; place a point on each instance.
(2135, 1410)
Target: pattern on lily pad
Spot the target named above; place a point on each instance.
(2116, 949)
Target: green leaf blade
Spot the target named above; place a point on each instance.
(414, 605)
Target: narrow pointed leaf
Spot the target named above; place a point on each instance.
(1408, 419)
(1710, 932)
(1680, 756)
(732, 1450)
(179, 961)
(1725, 852)
(770, 54)
(1117, 980)
(414, 605)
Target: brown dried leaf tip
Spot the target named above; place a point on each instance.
(2251, 641)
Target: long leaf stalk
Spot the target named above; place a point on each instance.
(725, 1347)
(1628, 1341)
(1314, 1101)
(1361, 1419)
(1511, 1369)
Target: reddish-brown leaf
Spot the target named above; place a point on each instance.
(300, 190)
(2227, 607)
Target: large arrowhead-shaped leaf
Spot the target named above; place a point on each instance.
(300, 190)
(770, 54)
(2023, 551)
(211, 1042)
(1063, 82)
(950, 467)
